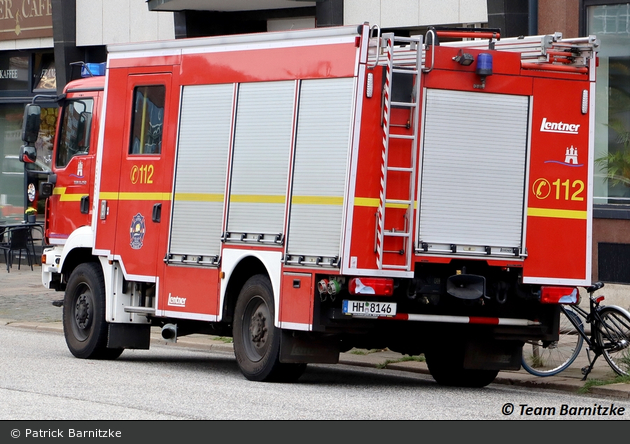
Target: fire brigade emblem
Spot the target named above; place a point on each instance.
(136, 232)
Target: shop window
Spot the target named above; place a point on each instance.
(148, 120)
(14, 73)
(13, 194)
(611, 24)
(45, 74)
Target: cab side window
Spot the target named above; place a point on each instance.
(147, 120)
(74, 136)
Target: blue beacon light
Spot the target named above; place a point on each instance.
(484, 67)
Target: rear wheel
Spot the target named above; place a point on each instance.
(84, 324)
(256, 339)
(614, 335)
(447, 368)
(550, 358)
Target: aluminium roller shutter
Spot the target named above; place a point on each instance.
(473, 173)
(320, 167)
(202, 153)
(260, 164)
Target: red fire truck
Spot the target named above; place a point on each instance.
(311, 191)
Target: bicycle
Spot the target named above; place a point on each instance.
(609, 336)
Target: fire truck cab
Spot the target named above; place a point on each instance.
(311, 191)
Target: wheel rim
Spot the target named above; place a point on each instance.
(83, 313)
(549, 359)
(615, 337)
(256, 324)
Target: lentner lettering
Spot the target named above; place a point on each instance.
(559, 127)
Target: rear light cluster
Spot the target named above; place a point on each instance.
(559, 295)
(375, 286)
(357, 286)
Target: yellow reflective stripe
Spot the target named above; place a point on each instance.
(372, 202)
(199, 197)
(71, 197)
(299, 200)
(134, 196)
(63, 197)
(317, 200)
(109, 195)
(256, 198)
(561, 214)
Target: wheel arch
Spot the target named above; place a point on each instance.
(238, 267)
(74, 258)
(76, 250)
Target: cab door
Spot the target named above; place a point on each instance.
(144, 191)
(73, 164)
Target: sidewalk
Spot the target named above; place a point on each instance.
(25, 303)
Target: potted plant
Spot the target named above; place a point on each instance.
(31, 214)
(616, 163)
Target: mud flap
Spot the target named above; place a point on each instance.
(493, 355)
(303, 347)
(136, 336)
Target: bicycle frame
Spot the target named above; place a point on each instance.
(594, 320)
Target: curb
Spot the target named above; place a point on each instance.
(384, 359)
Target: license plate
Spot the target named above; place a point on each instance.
(365, 308)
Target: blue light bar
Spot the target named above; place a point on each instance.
(92, 69)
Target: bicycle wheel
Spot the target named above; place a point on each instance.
(613, 333)
(548, 359)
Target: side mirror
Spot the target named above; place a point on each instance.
(31, 123)
(28, 154)
(46, 188)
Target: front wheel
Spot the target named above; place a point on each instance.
(613, 333)
(256, 339)
(84, 324)
(550, 358)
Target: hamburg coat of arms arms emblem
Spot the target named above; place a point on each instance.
(136, 232)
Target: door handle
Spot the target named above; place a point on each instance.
(157, 213)
(85, 204)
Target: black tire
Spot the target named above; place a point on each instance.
(614, 335)
(548, 359)
(84, 323)
(256, 339)
(447, 368)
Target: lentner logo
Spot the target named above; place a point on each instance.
(559, 127)
(176, 301)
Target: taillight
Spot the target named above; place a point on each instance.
(559, 295)
(376, 286)
(598, 299)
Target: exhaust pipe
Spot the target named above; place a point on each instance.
(169, 332)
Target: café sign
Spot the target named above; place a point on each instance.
(25, 19)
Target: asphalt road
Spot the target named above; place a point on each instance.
(40, 379)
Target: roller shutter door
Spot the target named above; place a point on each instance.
(204, 142)
(473, 172)
(260, 164)
(321, 162)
